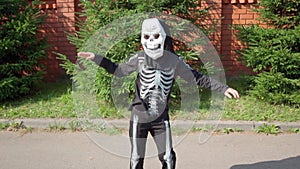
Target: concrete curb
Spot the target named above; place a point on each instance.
(124, 123)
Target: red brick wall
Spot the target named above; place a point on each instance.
(61, 20)
(235, 12)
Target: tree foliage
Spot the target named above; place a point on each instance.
(274, 52)
(19, 47)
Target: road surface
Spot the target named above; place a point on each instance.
(75, 150)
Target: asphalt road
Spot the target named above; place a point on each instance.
(75, 150)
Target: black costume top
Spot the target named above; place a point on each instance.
(155, 80)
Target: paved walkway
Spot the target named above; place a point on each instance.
(75, 150)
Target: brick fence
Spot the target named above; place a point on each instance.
(61, 21)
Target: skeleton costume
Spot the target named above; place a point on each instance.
(157, 68)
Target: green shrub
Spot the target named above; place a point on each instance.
(280, 13)
(99, 13)
(274, 52)
(276, 88)
(20, 48)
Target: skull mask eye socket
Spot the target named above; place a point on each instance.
(146, 36)
(156, 36)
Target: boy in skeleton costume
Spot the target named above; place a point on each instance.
(157, 68)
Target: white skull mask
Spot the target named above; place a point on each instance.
(153, 38)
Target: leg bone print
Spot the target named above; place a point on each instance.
(156, 86)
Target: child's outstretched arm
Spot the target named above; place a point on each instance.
(119, 70)
(193, 76)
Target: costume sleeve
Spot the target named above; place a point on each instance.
(119, 70)
(192, 76)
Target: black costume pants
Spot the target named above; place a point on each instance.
(161, 133)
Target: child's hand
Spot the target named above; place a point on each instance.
(86, 55)
(231, 92)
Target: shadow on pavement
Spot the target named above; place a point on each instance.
(289, 163)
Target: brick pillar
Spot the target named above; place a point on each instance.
(66, 21)
(235, 12)
(60, 20)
